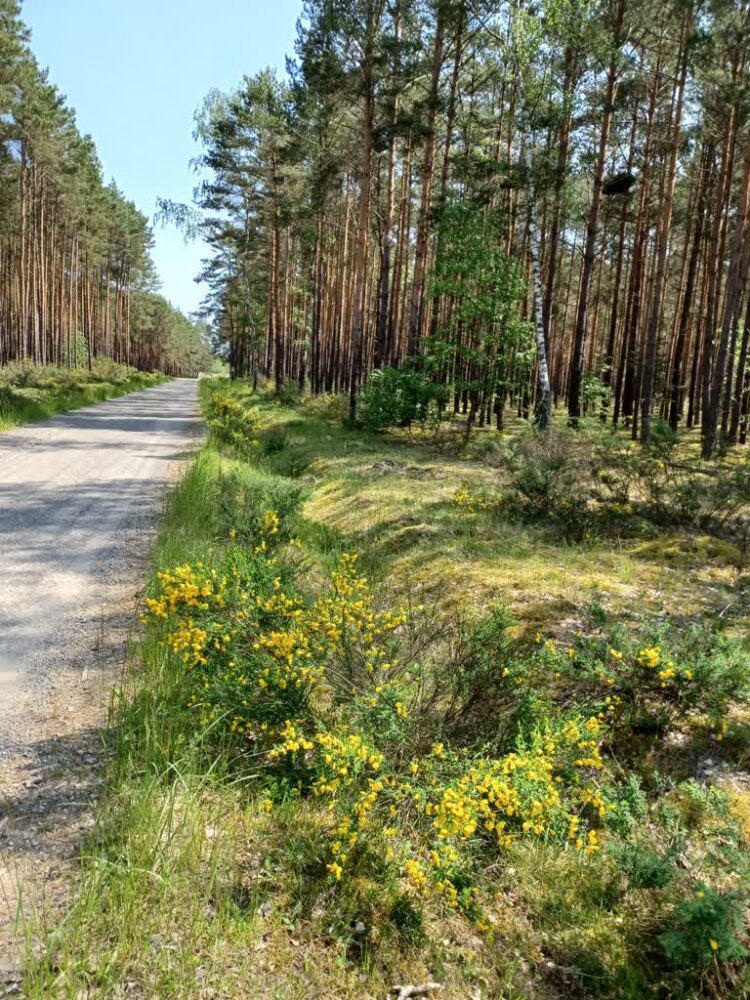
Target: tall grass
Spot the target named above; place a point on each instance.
(150, 864)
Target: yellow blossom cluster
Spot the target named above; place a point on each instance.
(650, 657)
(187, 587)
(338, 760)
(524, 792)
(345, 620)
(469, 503)
(291, 656)
(292, 741)
(670, 673)
(271, 523)
(190, 643)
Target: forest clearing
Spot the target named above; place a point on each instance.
(436, 681)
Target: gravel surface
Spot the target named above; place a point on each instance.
(80, 497)
(75, 493)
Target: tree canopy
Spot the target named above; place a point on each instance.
(609, 136)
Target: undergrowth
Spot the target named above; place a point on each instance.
(29, 392)
(322, 786)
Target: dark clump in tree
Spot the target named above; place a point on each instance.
(620, 183)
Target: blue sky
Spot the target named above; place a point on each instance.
(136, 71)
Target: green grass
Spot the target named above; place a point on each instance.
(190, 889)
(30, 393)
(390, 498)
(163, 897)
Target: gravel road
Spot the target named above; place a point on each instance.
(76, 493)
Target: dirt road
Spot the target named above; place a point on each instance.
(79, 495)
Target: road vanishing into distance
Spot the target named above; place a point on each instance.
(76, 494)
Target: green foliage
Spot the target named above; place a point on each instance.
(273, 440)
(644, 683)
(246, 499)
(75, 355)
(399, 397)
(289, 393)
(230, 422)
(487, 704)
(707, 927)
(546, 484)
(607, 486)
(631, 805)
(485, 286)
(643, 867)
(595, 392)
(662, 484)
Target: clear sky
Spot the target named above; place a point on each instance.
(136, 71)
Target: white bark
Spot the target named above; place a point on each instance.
(544, 409)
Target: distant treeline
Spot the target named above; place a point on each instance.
(76, 277)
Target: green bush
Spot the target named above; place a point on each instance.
(667, 487)
(273, 440)
(230, 422)
(399, 397)
(645, 682)
(289, 393)
(707, 927)
(246, 497)
(548, 483)
(643, 867)
(485, 704)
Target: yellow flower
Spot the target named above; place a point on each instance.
(714, 944)
(650, 657)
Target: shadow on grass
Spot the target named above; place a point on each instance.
(390, 498)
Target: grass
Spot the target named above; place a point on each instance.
(191, 888)
(391, 499)
(29, 393)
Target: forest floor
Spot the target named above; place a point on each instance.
(79, 498)
(29, 393)
(206, 877)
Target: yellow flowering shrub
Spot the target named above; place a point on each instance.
(231, 423)
(642, 686)
(257, 649)
(315, 688)
(469, 503)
